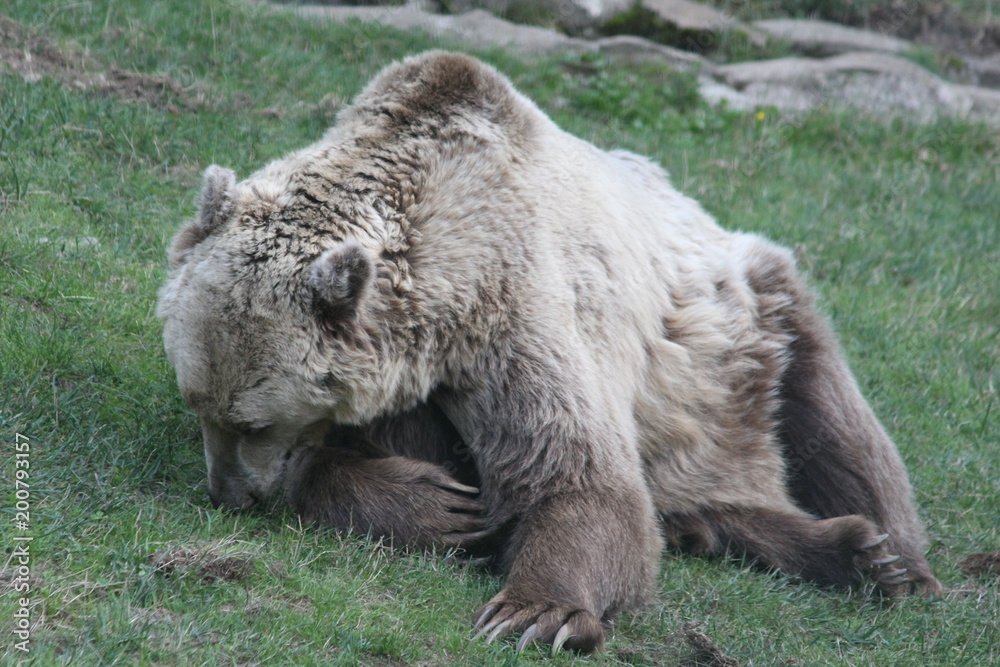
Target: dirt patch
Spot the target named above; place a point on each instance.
(152, 89)
(706, 653)
(983, 564)
(935, 24)
(34, 56)
(205, 564)
(31, 55)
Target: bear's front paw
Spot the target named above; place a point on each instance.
(562, 626)
(436, 510)
(399, 500)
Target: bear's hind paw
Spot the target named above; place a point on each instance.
(874, 559)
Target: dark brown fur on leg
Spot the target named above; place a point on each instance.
(558, 474)
(422, 433)
(840, 460)
(400, 500)
(558, 595)
(407, 479)
(839, 551)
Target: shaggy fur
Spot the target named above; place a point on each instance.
(448, 279)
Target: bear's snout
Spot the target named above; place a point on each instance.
(226, 495)
(218, 501)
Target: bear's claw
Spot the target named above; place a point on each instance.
(561, 638)
(452, 485)
(527, 638)
(885, 561)
(873, 558)
(491, 628)
(497, 631)
(875, 541)
(562, 627)
(487, 613)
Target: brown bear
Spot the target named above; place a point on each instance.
(448, 277)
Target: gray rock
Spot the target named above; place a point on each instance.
(790, 69)
(875, 82)
(425, 5)
(475, 28)
(695, 17)
(688, 15)
(716, 92)
(821, 38)
(636, 49)
(602, 9)
(985, 103)
(984, 71)
(584, 17)
(574, 16)
(497, 7)
(479, 28)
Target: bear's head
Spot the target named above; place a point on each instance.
(261, 324)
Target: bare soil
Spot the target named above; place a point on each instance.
(982, 564)
(34, 56)
(706, 653)
(204, 564)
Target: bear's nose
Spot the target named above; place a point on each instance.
(214, 499)
(244, 502)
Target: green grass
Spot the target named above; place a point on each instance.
(895, 222)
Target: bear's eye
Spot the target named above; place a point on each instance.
(251, 429)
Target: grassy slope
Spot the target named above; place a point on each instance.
(896, 223)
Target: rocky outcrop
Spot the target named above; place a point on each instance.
(475, 28)
(822, 38)
(984, 71)
(875, 82)
(855, 69)
(577, 17)
(480, 28)
(697, 17)
(683, 24)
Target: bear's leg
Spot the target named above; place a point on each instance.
(401, 500)
(574, 560)
(840, 461)
(564, 482)
(407, 479)
(836, 551)
(422, 433)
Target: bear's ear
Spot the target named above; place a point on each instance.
(182, 244)
(215, 206)
(340, 277)
(216, 202)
